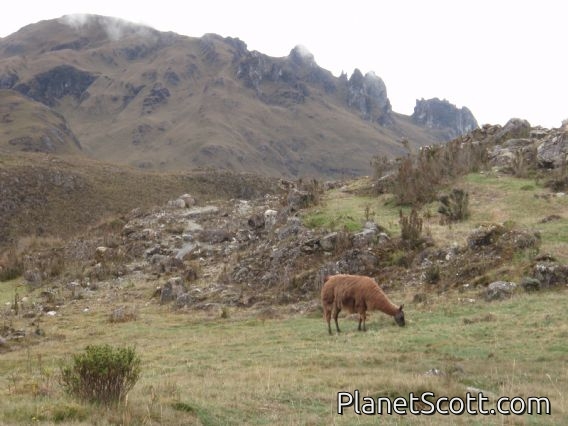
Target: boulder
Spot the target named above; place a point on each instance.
(552, 152)
(499, 290)
(485, 235)
(270, 217)
(551, 274)
(530, 284)
(172, 289)
(256, 221)
(514, 129)
(188, 199)
(328, 242)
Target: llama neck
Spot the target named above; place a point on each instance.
(381, 302)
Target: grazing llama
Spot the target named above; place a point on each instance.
(356, 294)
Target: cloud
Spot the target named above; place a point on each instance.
(114, 28)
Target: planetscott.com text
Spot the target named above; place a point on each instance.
(428, 403)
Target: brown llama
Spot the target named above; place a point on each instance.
(357, 294)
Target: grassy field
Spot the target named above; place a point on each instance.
(200, 368)
(280, 367)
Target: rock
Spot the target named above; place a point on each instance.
(368, 94)
(178, 203)
(158, 95)
(515, 128)
(552, 151)
(513, 154)
(172, 289)
(102, 253)
(485, 235)
(328, 242)
(256, 221)
(201, 211)
(530, 284)
(364, 238)
(551, 274)
(50, 86)
(499, 290)
(440, 114)
(215, 236)
(270, 217)
(298, 200)
(189, 200)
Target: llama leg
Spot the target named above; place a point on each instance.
(327, 317)
(335, 315)
(363, 317)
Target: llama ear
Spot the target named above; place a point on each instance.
(401, 306)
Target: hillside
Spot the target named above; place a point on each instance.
(26, 125)
(59, 196)
(161, 101)
(210, 291)
(222, 290)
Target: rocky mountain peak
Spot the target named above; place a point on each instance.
(368, 94)
(441, 114)
(300, 55)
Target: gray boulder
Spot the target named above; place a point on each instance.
(499, 290)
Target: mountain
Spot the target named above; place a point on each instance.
(158, 100)
(26, 125)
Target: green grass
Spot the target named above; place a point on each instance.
(493, 198)
(200, 369)
(343, 210)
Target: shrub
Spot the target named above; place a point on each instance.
(455, 206)
(11, 266)
(102, 374)
(410, 228)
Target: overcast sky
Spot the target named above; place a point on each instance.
(500, 59)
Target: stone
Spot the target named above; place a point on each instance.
(485, 235)
(270, 217)
(499, 290)
(515, 128)
(256, 221)
(178, 203)
(188, 199)
(530, 284)
(551, 274)
(172, 289)
(328, 242)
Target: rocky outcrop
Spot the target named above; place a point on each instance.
(440, 114)
(158, 95)
(50, 86)
(368, 94)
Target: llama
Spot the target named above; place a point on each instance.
(357, 294)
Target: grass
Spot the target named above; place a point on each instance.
(492, 198)
(345, 210)
(198, 368)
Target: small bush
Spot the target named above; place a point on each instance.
(102, 374)
(432, 274)
(11, 266)
(455, 206)
(410, 228)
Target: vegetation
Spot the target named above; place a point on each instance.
(203, 369)
(102, 374)
(455, 206)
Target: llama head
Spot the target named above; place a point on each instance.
(399, 316)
